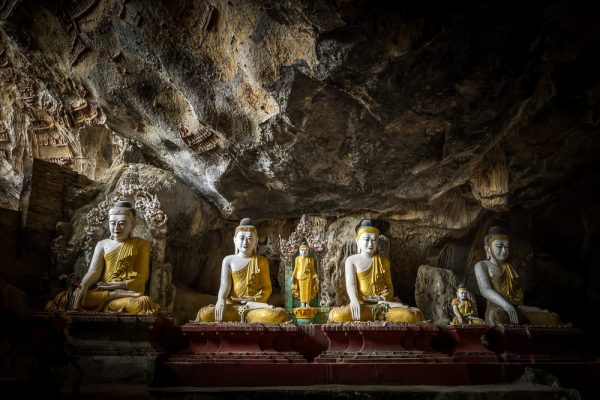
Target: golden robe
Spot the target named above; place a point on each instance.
(253, 280)
(507, 284)
(129, 262)
(304, 279)
(467, 310)
(376, 281)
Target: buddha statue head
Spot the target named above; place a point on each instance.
(303, 249)
(496, 244)
(461, 292)
(245, 238)
(366, 238)
(121, 219)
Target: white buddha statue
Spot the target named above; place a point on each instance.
(118, 272)
(369, 284)
(245, 283)
(499, 283)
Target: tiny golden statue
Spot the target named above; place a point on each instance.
(464, 309)
(305, 285)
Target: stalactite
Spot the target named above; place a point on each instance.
(491, 184)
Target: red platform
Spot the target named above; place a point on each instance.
(234, 354)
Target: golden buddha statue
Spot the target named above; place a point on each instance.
(119, 268)
(464, 309)
(374, 290)
(499, 283)
(246, 299)
(304, 277)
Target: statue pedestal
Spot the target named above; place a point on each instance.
(110, 348)
(537, 344)
(305, 316)
(243, 343)
(373, 342)
(468, 344)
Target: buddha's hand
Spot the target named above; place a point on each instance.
(243, 299)
(110, 286)
(512, 313)
(219, 309)
(459, 319)
(246, 299)
(355, 310)
(79, 295)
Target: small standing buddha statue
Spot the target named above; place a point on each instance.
(245, 284)
(304, 277)
(464, 309)
(498, 282)
(119, 270)
(369, 284)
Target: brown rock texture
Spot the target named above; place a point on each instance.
(434, 290)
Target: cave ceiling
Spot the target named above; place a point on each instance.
(278, 108)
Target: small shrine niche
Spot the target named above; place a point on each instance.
(50, 145)
(301, 257)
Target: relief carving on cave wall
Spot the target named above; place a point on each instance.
(201, 141)
(43, 118)
(4, 136)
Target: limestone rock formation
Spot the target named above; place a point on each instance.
(434, 290)
(313, 107)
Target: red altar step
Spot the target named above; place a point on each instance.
(380, 343)
(234, 354)
(246, 343)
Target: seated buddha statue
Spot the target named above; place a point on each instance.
(464, 309)
(304, 277)
(369, 284)
(245, 284)
(116, 278)
(498, 282)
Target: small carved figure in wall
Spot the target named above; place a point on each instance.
(464, 309)
(369, 284)
(119, 270)
(245, 284)
(305, 285)
(499, 283)
(4, 136)
(201, 141)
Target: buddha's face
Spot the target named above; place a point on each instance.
(245, 242)
(367, 243)
(462, 294)
(120, 226)
(499, 249)
(303, 251)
